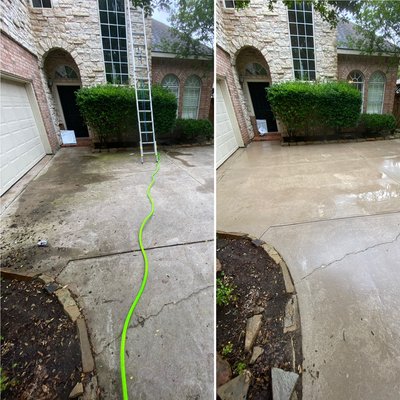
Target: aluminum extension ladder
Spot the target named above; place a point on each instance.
(142, 84)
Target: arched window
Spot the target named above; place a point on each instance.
(255, 69)
(191, 97)
(356, 78)
(171, 82)
(376, 93)
(66, 72)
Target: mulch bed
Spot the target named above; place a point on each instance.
(40, 351)
(258, 282)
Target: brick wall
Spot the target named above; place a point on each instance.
(368, 65)
(21, 63)
(225, 70)
(184, 68)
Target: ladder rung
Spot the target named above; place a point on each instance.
(149, 152)
(144, 111)
(146, 132)
(148, 142)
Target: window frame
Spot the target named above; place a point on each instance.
(370, 82)
(177, 94)
(116, 76)
(232, 3)
(351, 81)
(299, 48)
(41, 2)
(198, 99)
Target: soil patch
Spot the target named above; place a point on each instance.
(257, 283)
(40, 352)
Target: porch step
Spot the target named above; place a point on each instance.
(269, 137)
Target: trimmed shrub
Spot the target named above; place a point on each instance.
(303, 106)
(194, 129)
(111, 111)
(378, 123)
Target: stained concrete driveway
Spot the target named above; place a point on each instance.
(333, 212)
(89, 207)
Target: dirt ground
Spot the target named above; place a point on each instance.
(258, 286)
(40, 353)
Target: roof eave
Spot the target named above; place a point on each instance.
(360, 53)
(160, 54)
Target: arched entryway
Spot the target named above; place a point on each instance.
(63, 79)
(255, 77)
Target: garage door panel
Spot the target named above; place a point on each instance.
(21, 145)
(226, 143)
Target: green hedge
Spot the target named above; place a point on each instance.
(304, 106)
(194, 129)
(111, 111)
(378, 123)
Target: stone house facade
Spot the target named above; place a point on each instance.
(257, 47)
(51, 48)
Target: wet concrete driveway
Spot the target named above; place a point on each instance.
(89, 207)
(333, 212)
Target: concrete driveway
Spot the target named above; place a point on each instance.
(89, 207)
(333, 213)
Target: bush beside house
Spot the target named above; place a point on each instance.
(378, 123)
(307, 108)
(110, 111)
(194, 130)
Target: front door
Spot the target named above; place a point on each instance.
(72, 116)
(261, 106)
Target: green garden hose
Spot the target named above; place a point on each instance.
(142, 286)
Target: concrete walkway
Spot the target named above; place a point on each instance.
(89, 207)
(333, 212)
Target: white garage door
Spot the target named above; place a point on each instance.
(21, 145)
(226, 139)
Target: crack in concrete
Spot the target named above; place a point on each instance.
(142, 320)
(323, 266)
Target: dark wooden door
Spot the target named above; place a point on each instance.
(261, 106)
(72, 116)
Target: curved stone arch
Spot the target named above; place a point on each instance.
(243, 43)
(47, 46)
(68, 60)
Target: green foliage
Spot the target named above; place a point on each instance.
(194, 129)
(240, 367)
(303, 106)
(111, 110)
(227, 349)
(5, 381)
(378, 123)
(224, 292)
(164, 110)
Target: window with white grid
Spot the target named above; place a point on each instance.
(191, 97)
(113, 34)
(235, 3)
(171, 82)
(41, 3)
(376, 93)
(356, 78)
(302, 40)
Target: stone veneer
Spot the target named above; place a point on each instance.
(268, 31)
(184, 68)
(368, 65)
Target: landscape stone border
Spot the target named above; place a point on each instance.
(292, 321)
(88, 388)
